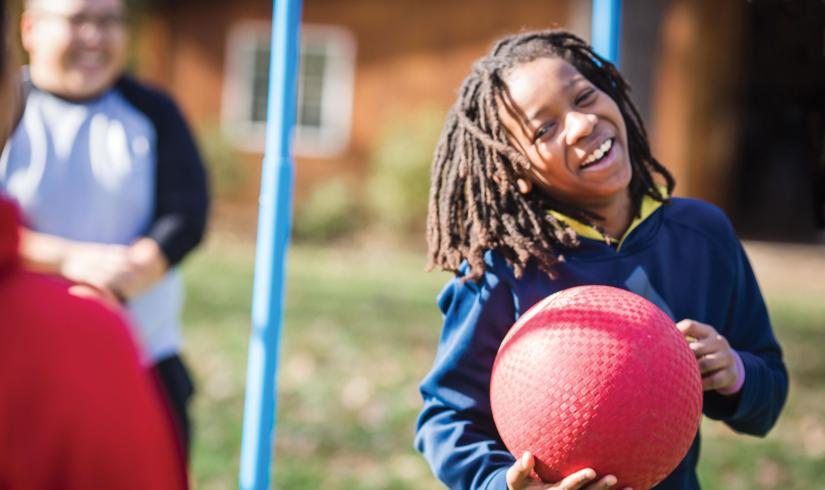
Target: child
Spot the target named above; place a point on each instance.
(543, 180)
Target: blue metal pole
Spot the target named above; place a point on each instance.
(606, 23)
(270, 256)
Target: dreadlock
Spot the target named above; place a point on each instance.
(475, 204)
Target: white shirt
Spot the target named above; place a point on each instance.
(86, 171)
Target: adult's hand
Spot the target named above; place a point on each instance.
(93, 263)
(126, 270)
(103, 295)
(145, 265)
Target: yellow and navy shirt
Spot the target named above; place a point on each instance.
(649, 205)
(683, 256)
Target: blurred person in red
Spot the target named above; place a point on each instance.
(77, 408)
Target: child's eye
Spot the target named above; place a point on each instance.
(542, 131)
(585, 97)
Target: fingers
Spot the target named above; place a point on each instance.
(705, 346)
(709, 344)
(604, 483)
(712, 350)
(719, 379)
(98, 265)
(715, 362)
(519, 478)
(697, 330)
(518, 475)
(90, 291)
(713, 353)
(578, 480)
(93, 267)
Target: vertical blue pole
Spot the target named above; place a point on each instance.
(606, 23)
(270, 255)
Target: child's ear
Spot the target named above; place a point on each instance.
(524, 185)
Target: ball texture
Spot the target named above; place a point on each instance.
(597, 377)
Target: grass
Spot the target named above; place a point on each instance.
(792, 456)
(359, 333)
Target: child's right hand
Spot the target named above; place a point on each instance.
(519, 478)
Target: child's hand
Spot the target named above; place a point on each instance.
(518, 478)
(717, 361)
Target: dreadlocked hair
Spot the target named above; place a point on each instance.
(475, 204)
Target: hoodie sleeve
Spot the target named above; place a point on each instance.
(755, 408)
(455, 429)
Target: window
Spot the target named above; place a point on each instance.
(325, 78)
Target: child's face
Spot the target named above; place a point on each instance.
(572, 133)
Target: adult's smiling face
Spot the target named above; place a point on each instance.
(76, 48)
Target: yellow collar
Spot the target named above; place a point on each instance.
(649, 205)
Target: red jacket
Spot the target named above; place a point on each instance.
(77, 409)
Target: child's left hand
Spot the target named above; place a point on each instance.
(716, 358)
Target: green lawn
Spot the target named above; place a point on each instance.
(360, 331)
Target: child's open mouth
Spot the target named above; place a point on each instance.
(598, 155)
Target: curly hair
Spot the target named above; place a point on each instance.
(475, 204)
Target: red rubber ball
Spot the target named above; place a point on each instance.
(597, 377)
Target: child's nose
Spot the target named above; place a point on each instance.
(578, 125)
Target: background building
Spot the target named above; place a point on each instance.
(732, 92)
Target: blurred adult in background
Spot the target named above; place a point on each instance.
(107, 174)
(78, 409)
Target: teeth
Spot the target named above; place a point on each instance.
(599, 152)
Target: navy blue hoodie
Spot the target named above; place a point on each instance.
(683, 256)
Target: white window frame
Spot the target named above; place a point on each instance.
(332, 138)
